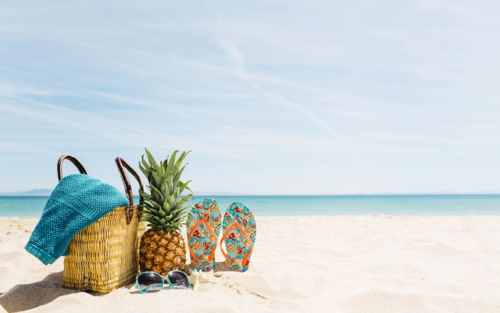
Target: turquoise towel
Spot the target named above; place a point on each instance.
(77, 202)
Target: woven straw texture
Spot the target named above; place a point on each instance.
(104, 256)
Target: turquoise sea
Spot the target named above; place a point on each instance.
(32, 206)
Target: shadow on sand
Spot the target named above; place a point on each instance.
(25, 297)
(220, 267)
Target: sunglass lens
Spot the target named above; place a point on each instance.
(178, 279)
(152, 281)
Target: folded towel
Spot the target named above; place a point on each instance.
(76, 203)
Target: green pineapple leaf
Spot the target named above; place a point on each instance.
(152, 161)
(183, 186)
(164, 187)
(145, 164)
(171, 162)
(164, 208)
(143, 170)
(160, 196)
(180, 160)
(178, 176)
(170, 183)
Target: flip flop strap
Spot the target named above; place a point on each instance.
(244, 233)
(203, 220)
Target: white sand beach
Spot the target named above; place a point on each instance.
(299, 264)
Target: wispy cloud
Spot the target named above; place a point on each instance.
(335, 91)
(238, 61)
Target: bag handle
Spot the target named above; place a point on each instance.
(121, 164)
(73, 160)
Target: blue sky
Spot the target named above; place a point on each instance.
(273, 97)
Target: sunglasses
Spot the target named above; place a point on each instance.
(152, 282)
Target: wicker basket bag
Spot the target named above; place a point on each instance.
(104, 256)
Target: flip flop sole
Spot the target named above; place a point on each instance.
(240, 231)
(203, 227)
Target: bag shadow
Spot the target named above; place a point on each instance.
(25, 297)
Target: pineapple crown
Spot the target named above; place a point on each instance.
(163, 209)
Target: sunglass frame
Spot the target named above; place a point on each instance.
(145, 290)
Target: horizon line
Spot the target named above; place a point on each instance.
(14, 194)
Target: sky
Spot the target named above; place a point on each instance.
(272, 97)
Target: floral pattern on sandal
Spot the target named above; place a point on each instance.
(240, 231)
(203, 227)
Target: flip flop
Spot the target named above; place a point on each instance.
(203, 228)
(240, 231)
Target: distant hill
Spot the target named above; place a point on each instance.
(34, 192)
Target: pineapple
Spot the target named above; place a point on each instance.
(162, 247)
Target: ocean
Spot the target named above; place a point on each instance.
(32, 206)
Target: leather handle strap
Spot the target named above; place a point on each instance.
(121, 164)
(73, 160)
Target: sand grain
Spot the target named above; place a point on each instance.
(300, 264)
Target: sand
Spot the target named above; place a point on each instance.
(302, 264)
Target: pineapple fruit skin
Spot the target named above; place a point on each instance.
(162, 251)
(162, 248)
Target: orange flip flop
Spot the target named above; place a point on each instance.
(203, 228)
(240, 231)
